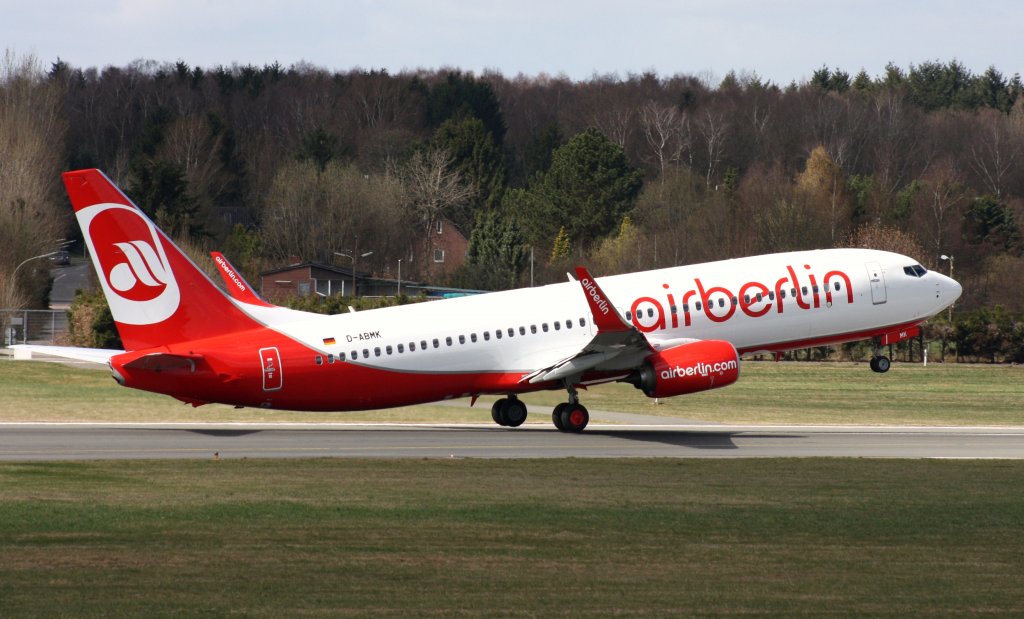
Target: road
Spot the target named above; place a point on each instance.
(33, 441)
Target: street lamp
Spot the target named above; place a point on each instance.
(399, 293)
(950, 258)
(353, 256)
(23, 262)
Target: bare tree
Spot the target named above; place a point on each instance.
(995, 149)
(31, 137)
(433, 187)
(712, 128)
(667, 131)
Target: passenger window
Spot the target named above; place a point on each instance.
(355, 354)
(686, 308)
(487, 336)
(319, 360)
(746, 299)
(341, 356)
(650, 312)
(697, 305)
(583, 322)
(721, 303)
(837, 286)
(522, 330)
(815, 289)
(511, 332)
(437, 343)
(771, 295)
(330, 358)
(472, 337)
(366, 353)
(568, 324)
(533, 328)
(760, 297)
(448, 341)
(412, 346)
(558, 326)
(497, 333)
(423, 344)
(803, 290)
(544, 327)
(462, 339)
(401, 348)
(629, 316)
(782, 294)
(388, 349)
(376, 351)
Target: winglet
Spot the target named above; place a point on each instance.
(606, 317)
(238, 288)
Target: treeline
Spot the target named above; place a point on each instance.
(623, 173)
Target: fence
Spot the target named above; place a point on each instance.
(32, 326)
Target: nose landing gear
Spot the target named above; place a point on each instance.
(880, 363)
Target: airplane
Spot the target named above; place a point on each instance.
(668, 332)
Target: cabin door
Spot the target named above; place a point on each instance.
(877, 283)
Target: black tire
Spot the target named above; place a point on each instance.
(882, 364)
(515, 413)
(575, 417)
(556, 416)
(874, 364)
(498, 411)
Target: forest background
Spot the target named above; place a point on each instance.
(619, 173)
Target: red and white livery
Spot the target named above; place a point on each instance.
(668, 332)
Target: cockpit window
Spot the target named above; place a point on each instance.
(915, 271)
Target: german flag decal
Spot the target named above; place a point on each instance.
(330, 341)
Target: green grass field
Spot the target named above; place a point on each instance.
(811, 393)
(810, 538)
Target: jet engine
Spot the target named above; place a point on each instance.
(688, 368)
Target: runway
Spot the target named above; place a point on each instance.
(91, 441)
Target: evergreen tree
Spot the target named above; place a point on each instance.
(561, 247)
(476, 156)
(497, 253)
(589, 187)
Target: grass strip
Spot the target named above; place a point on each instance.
(438, 537)
(810, 393)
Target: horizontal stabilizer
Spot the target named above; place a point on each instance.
(91, 355)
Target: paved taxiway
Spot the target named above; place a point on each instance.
(89, 441)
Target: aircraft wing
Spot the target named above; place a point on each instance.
(92, 355)
(617, 344)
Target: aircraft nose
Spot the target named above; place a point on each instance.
(949, 290)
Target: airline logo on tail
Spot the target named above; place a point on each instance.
(134, 271)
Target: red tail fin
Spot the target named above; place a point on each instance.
(156, 294)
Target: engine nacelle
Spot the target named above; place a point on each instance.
(688, 368)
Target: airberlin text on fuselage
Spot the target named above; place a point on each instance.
(755, 299)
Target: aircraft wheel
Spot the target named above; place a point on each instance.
(575, 417)
(556, 415)
(498, 411)
(874, 364)
(514, 413)
(881, 364)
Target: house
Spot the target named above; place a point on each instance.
(443, 252)
(306, 278)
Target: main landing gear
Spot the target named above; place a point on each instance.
(571, 416)
(880, 363)
(568, 416)
(509, 412)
